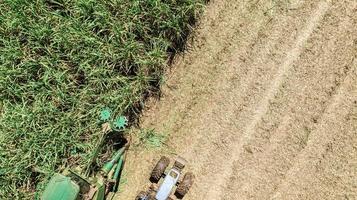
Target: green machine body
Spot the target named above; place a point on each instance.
(61, 187)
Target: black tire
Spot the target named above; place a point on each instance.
(184, 185)
(159, 169)
(141, 195)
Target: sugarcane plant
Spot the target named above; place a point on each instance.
(73, 185)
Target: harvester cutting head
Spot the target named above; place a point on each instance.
(72, 185)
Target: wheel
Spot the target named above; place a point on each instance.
(153, 188)
(184, 185)
(141, 196)
(159, 169)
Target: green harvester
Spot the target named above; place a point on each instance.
(74, 185)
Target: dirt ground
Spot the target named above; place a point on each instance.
(264, 104)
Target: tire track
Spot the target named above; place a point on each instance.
(264, 103)
(342, 104)
(303, 100)
(223, 86)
